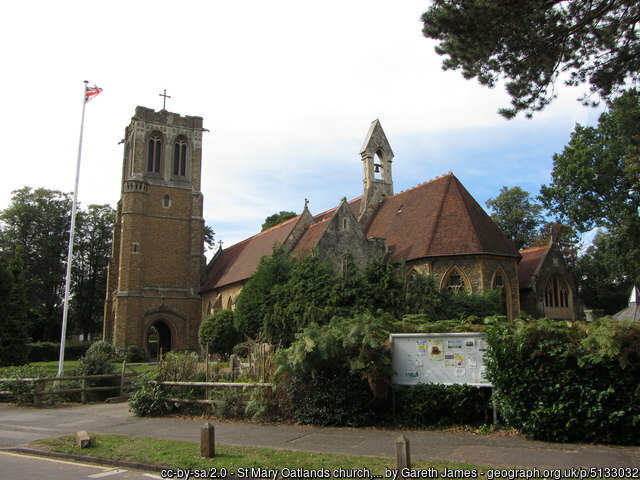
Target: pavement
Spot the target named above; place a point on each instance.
(21, 425)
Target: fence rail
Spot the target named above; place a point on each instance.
(208, 386)
(39, 384)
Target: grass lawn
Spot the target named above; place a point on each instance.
(174, 454)
(51, 368)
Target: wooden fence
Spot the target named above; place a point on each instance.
(39, 384)
(208, 386)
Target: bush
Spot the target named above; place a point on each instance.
(426, 405)
(50, 351)
(568, 382)
(98, 360)
(102, 347)
(218, 333)
(131, 354)
(23, 391)
(146, 399)
(333, 398)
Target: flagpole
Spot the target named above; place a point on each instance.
(67, 286)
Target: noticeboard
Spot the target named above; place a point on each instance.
(444, 358)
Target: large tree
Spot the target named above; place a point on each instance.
(596, 183)
(89, 274)
(38, 221)
(532, 43)
(276, 219)
(517, 215)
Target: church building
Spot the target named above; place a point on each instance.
(158, 285)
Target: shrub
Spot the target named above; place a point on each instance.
(130, 354)
(332, 398)
(102, 347)
(98, 360)
(147, 399)
(218, 333)
(568, 382)
(23, 391)
(426, 405)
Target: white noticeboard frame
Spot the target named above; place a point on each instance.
(444, 358)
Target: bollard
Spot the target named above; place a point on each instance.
(207, 441)
(403, 458)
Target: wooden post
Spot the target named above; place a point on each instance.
(207, 441)
(124, 365)
(38, 388)
(83, 392)
(403, 458)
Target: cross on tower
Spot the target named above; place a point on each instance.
(164, 100)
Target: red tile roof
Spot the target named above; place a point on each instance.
(531, 258)
(310, 238)
(240, 261)
(439, 217)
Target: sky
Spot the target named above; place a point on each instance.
(287, 90)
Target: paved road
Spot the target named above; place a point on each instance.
(19, 426)
(21, 467)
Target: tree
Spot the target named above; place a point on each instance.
(217, 332)
(565, 237)
(595, 181)
(276, 219)
(13, 313)
(92, 250)
(517, 215)
(607, 270)
(255, 298)
(531, 43)
(304, 299)
(39, 220)
(209, 237)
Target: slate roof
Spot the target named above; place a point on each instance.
(531, 259)
(632, 312)
(436, 218)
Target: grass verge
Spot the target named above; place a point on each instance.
(185, 455)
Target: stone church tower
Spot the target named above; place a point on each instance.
(157, 259)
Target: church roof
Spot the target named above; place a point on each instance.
(632, 312)
(531, 260)
(439, 217)
(311, 236)
(436, 218)
(239, 261)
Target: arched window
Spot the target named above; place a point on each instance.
(180, 157)
(378, 164)
(166, 201)
(558, 293)
(154, 153)
(455, 280)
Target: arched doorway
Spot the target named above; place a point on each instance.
(158, 339)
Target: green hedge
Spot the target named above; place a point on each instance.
(50, 351)
(568, 382)
(426, 405)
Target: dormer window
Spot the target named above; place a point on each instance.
(180, 157)
(154, 153)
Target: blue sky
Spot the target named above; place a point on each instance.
(287, 88)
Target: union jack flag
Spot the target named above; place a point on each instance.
(91, 92)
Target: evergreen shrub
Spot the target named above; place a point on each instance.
(426, 405)
(568, 382)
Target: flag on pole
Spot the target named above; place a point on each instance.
(91, 92)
